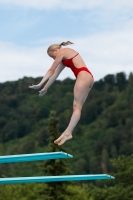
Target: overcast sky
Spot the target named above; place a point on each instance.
(101, 30)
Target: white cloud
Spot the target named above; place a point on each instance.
(104, 53)
(108, 52)
(18, 61)
(68, 4)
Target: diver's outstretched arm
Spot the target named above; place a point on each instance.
(52, 79)
(50, 72)
(44, 79)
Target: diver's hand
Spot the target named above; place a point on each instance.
(35, 87)
(42, 92)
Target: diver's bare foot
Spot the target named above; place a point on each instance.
(63, 138)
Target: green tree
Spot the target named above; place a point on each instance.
(58, 190)
(121, 80)
(110, 79)
(55, 167)
(19, 191)
(123, 187)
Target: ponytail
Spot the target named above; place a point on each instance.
(66, 43)
(58, 46)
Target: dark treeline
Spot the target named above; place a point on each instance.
(119, 188)
(105, 130)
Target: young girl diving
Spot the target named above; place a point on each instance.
(84, 81)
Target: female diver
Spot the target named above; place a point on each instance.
(84, 82)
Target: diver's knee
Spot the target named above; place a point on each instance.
(77, 106)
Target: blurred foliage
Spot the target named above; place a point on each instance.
(123, 187)
(55, 167)
(105, 130)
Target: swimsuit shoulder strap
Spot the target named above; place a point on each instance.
(75, 56)
(71, 58)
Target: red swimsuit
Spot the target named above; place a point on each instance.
(69, 63)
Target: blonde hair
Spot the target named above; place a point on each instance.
(58, 46)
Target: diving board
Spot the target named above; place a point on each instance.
(39, 179)
(33, 157)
